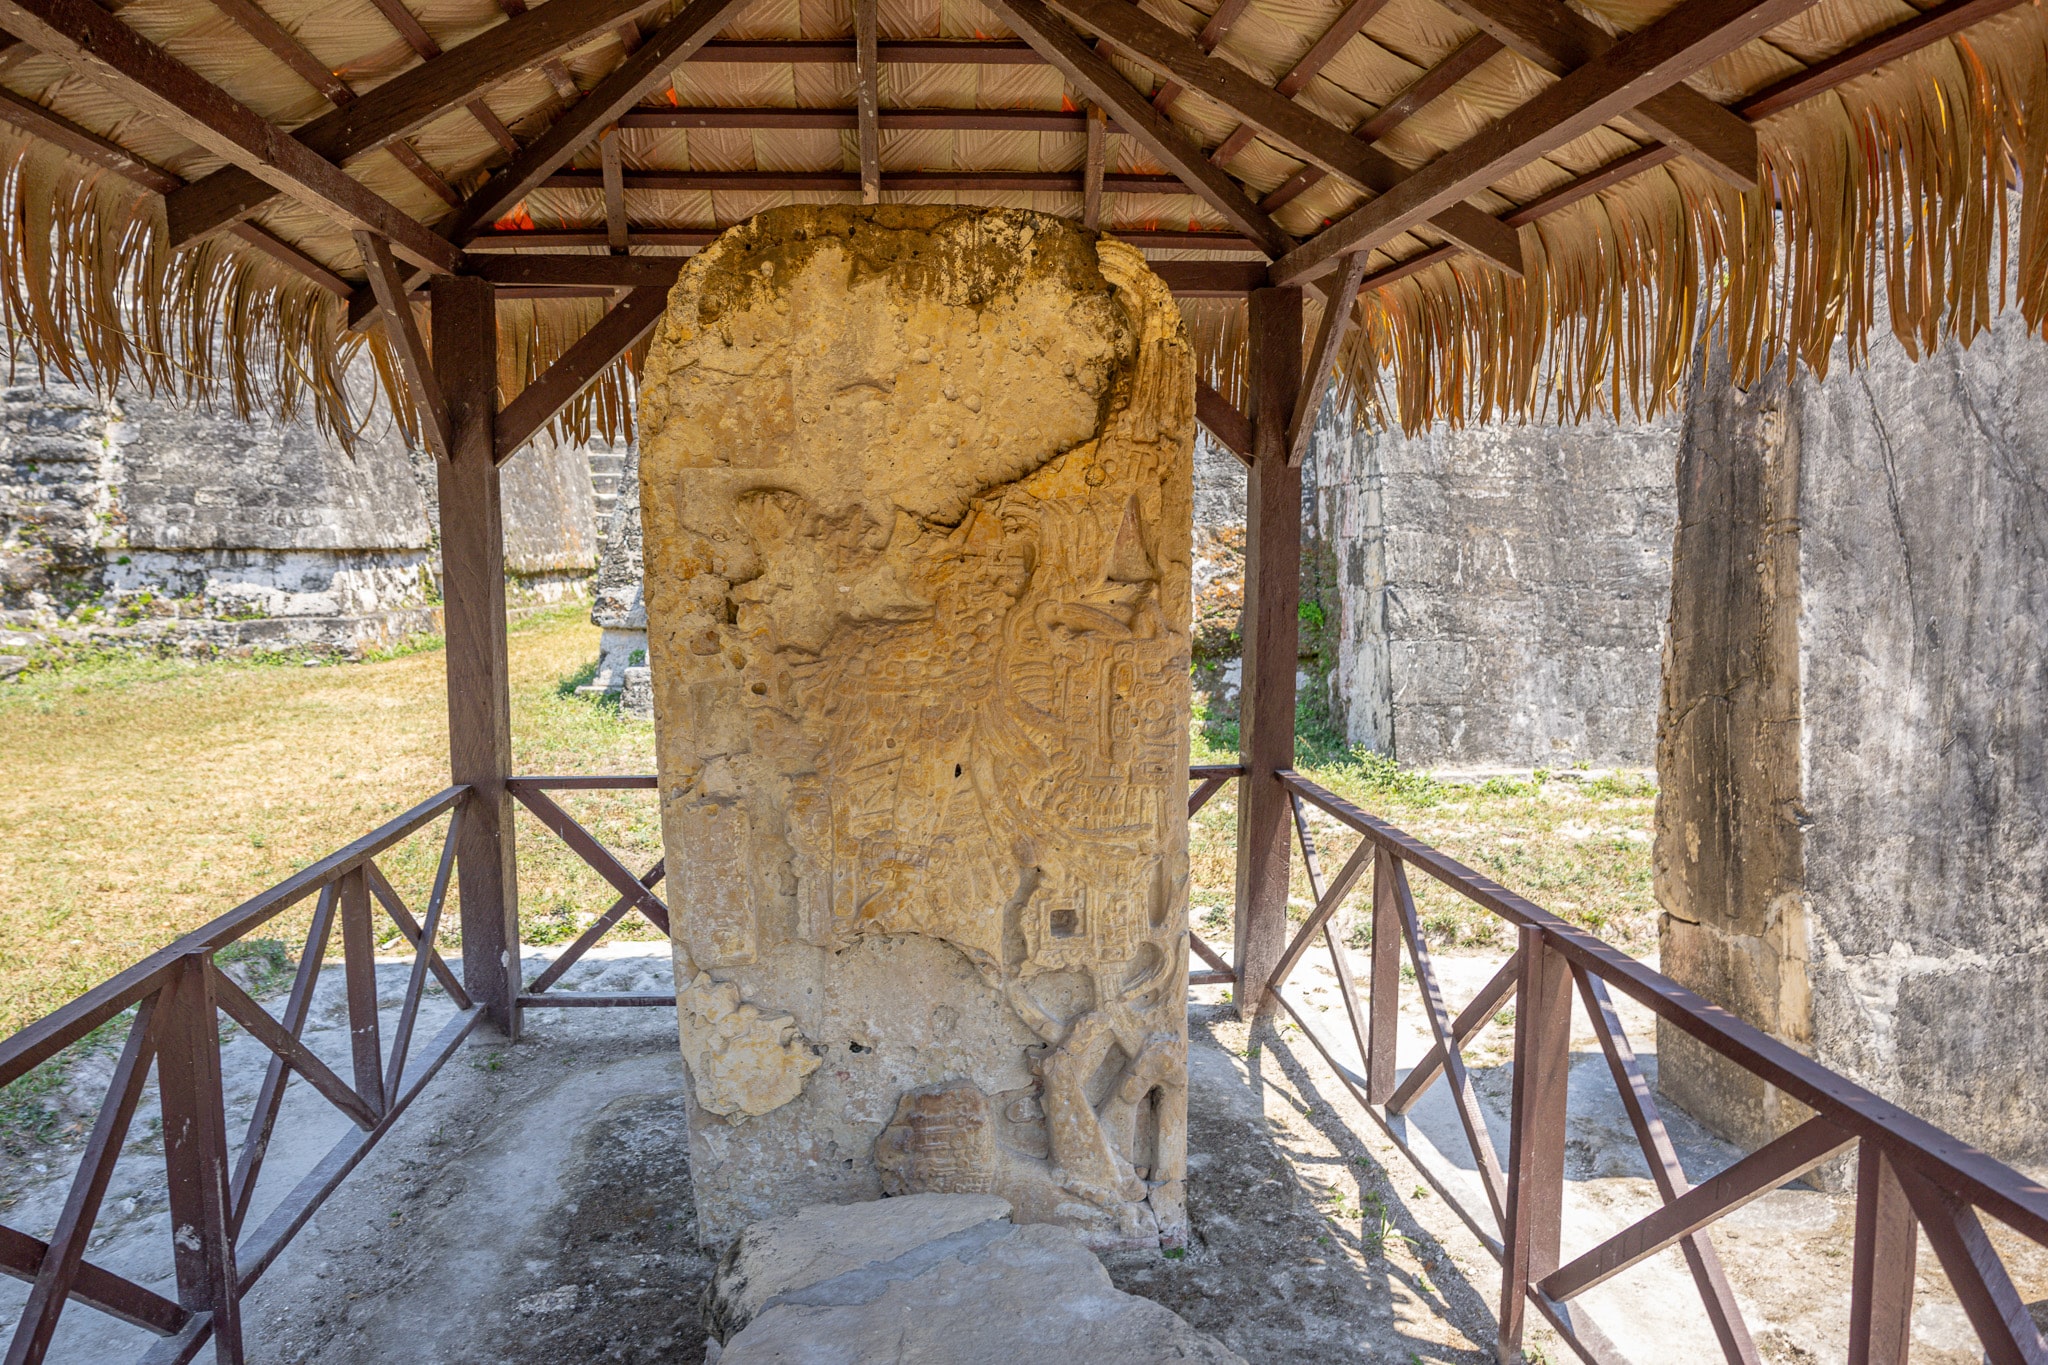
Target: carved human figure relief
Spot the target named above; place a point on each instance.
(916, 490)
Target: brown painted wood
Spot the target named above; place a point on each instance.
(21, 1258)
(403, 105)
(414, 935)
(1930, 26)
(619, 91)
(1092, 74)
(601, 926)
(1211, 37)
(850, 182)
(255, 21)
(270, 1098)
(1272, 597)
(473, 610)
(614, 192)
(284, 1044)
(1532, 1229)
(604, 271)
(1199, 797)
(1322, 357)
(867, 87)
(1094, 162)
(64, 1255)
(1462, 62)
(1556, 38)
(1478, 1011)
(1211, 978)
(1644, 62)
(1299, 130)
(843, 51)
(1231, 428)
(425, 954)
(1347, 27)
(402, 332)
(1211, 279)
(887, 120)
(106, 51)
(1723, 1313)
(1328, 903)
(1882, 1277)
(196, 1152)
(1976, 1273)
(1751, 1178)
(1200, 947)
(359, 970)
(587, 847)
(1383, 1006)
(615, 334)
(526, 239)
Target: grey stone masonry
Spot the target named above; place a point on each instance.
(617, 608)
(1852, 830)
(1496, 594)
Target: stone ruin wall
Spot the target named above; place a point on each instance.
(915, 497)
(142, 522)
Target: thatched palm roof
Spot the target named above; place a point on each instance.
(1537, 207)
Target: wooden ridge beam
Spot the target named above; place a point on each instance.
(403, 105)
(618, 92)
(553, 239)
(1036, 181)
(1552, 36)
(1092, 74)
(843, 51)
(1187, 279)
(1462, 62)
(1300, 130)
(615, 334)
(1619, 79)
(868, 100)
(1347, 27)
(887, 120)
(103, 49)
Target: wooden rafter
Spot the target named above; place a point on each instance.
(1300, 130)
(1211, 37)
(1326, 48)
(1094, 163)
(1619, 79)
(255, 21)
(868, 99)
(103, 49)
(1558, 39)
(1462, 62)
(615, 334)
(1322, 357)
(422, 43)
(1091, 73)
(402, 105)
(558, 74)
(402, 330)
(609, 98)
(614, 192)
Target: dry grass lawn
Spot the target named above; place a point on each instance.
(144, 797)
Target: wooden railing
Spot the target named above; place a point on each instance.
(1911, 1176)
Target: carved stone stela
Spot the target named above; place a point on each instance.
(916, 495)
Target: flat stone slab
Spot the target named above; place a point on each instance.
(931, 1278)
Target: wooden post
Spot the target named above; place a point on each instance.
(1382, 1076)
(1272, 602)
(1887, 1245)
(1535, 1197)
(196, 1154)
(473, 607)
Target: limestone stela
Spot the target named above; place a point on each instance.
(917, 490)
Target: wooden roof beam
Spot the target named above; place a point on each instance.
(1094, 164)
(1091, 73)
(1554, 37)
(1211, 37)
(868, 99)
(402, 105)
(845, 52)
(1187, 279)
(618, 92)
(422, 43)
(614, 192)
(402, 330)
(1040, 181)
(105, 50)
(1174, 53)
(616, 333)
(1466, 58)
(1619, 79)
(494, 240)
(1325, 50)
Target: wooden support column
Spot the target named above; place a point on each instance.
(1531, 1232)
(1272, 603)
(473, 608)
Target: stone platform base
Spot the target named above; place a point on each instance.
(939, 1278)
(206, 637)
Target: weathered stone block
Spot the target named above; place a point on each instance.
(1852, 830)
(915, 495)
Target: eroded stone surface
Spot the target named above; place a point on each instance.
(932, 1278)
(916, 510)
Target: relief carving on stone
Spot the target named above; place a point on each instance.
(916, 490)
